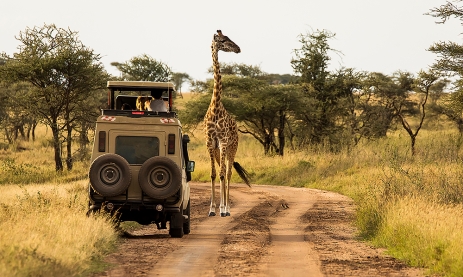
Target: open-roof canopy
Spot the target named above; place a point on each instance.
(140, 85)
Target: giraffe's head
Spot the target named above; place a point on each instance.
(224, 43)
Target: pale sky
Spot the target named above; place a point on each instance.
(373, 35)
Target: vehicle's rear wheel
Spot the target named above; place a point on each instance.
(110, 175)
(186, 219)
(160, 177)
(176, 225)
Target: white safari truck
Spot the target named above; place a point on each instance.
(140, 167)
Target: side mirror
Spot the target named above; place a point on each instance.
(190, 166)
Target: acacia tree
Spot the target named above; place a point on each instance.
(450, 62)
(325, 92)
(450, 53)
(178, 78)
(144, 68)
(422, 85)
(63, 72)
(18, 122)
(263, 111)
(267, 115)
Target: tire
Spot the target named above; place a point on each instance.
(110, 175)
(186, 222)
(176, 232)
(176, 225)
(160, 177)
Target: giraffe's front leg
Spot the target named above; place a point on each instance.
(223, 180)
(213, 176)
(223, 201)
(212, 207)
(227, 198)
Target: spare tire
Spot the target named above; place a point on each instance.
(160, 177)
(110, 175)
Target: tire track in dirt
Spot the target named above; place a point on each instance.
(273, 231)
(289, 253)
(199, 251)
(268, 240)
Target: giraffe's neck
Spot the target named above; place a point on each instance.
(217, 92)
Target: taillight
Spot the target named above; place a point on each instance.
(102, 141)
(171, 144)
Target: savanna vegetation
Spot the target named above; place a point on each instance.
(390, 142)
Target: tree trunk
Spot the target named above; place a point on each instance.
(266, 144)
(69, 161)
(56, 147)
(83, 136)
(8, 136)
(413, 140)
(34, 125)
(281, 133)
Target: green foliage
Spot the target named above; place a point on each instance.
(241, 70)
(178, 78)
(144, 68)
(64, 74)
(193, 113)
(312, 59)
(450, 58)
(327, 103)
(263, 109)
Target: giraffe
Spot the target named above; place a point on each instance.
(221, 132)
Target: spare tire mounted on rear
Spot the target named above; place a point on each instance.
(110, 175)
(160, 177)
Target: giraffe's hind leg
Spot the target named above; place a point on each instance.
(230, 160)
(223, 181)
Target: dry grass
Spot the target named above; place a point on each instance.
(424, 233)
(44, 231)
(411, 205)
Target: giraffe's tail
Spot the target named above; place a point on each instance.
(242, 172)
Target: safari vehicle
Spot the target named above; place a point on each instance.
(139, 166)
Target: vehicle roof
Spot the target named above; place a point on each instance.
(140, 85)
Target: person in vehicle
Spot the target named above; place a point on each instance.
(126, 106)
(157, 105)
(143, 103)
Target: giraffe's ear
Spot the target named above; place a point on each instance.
(219, 32)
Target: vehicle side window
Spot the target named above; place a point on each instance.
(136, 150)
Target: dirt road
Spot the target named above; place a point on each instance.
(272, 231)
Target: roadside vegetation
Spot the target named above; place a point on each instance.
(411, 205)
(44, 230)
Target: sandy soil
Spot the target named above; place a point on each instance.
(272, 231)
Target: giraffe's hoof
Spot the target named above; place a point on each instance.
(211, 213)
(227, 214)
(223, 214)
